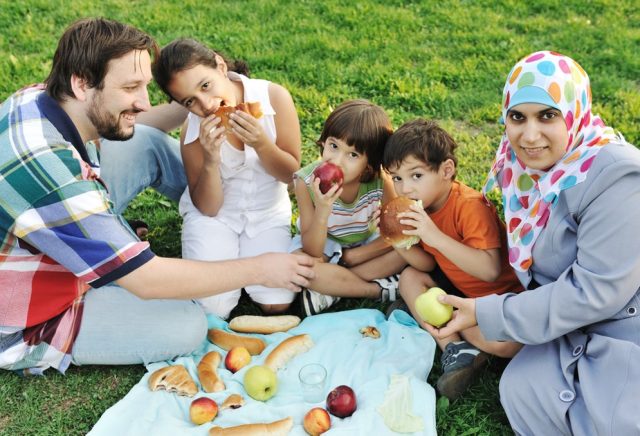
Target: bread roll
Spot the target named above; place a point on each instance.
(173, 378)
(252, 108)
(227, 341)
(208, 372)
(263, 324)
(390, 227)
(233, 401)
(276, 428)
(287, 350)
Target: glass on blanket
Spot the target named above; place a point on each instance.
(313, 379)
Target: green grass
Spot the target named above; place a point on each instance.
(445, 60)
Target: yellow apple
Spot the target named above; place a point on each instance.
(203, 410)
(260, 382)
(431, 310)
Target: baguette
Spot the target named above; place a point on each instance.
(287, 350)
(227, 341)
(276, 428)
(173, 378)
(263, 324)
(208, 372)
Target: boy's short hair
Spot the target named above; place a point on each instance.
(422, 139)
(85, 49)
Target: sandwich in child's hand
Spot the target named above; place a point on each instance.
(252, 108)
(390, 227)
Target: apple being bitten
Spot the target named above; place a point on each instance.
(431, 310)
(203, 410)
(316, 421)
(237, 358)
(341, 401)
(260, 382)
(329, 174)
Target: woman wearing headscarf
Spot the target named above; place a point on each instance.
(571, 195)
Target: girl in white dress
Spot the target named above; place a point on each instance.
(236, 204)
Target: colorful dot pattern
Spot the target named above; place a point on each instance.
(529, 195)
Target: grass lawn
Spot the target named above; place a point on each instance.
(445, 60)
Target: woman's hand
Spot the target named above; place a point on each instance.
(212, 134)
(463, 318)
(248, 129)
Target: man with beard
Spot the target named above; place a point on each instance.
(76, 284)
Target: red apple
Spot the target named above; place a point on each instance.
(316, 421)
(329, 174)
(341, 401)
(237, 358)
(203, 410)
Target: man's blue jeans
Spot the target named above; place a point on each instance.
(117, 327)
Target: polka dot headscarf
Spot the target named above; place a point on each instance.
(529, 195)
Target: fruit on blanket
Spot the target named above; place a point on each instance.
(237, 358)
(260, 382)
(431, 310)
(316, 421)
(203, 410)
(329, 174)
(341, 401)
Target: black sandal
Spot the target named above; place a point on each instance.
(140, 228)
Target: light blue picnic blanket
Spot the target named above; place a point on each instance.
(364, 364)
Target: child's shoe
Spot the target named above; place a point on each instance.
(389, 287)
(314, 302)
(461, 364)
(399, 304)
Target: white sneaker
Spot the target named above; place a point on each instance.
(389, 287)
(314, 302)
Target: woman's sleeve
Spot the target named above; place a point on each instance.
(602, 279)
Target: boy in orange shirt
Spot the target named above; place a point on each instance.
(462, 246)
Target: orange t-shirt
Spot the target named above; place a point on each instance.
(468, 218)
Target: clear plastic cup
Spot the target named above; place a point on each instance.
(313, 378)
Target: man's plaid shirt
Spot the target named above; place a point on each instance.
(59, 234)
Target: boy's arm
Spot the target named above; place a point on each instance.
(418, 258)
(483, 264)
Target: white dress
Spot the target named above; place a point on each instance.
(255, 216)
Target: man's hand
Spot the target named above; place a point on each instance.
(463, 318)
(289, 271)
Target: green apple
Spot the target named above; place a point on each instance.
(260, 382)
(431, 310)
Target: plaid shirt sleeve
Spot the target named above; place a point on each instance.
(75, 226)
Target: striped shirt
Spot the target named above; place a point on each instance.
(59, 234)
(349, 224)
